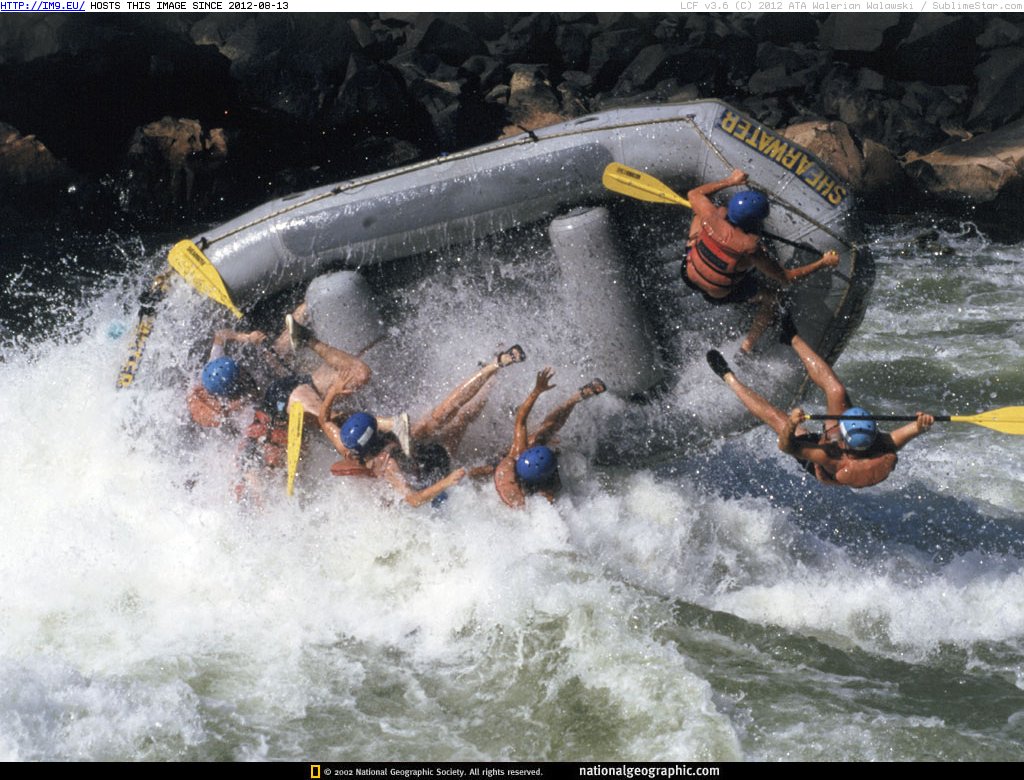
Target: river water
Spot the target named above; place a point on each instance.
(710, 604)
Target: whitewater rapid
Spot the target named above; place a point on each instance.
(709, 604)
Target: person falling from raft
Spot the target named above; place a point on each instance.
(425, 472)
(531, 465)
(850, 452)
(724, 246)
(261, 390)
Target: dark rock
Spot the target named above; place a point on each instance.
(292, 63)
(451, 43)
(889, 121)
(610, 53)
(767, 111)
(668, 30)
(440, 99)
(573, 44)
(1000, 96)
(844, 32)
(653, 64)
(487, 70)
(578, 80)
(781, 69)
(940, 49)
(573, 101)
(785, 28)
(362, 33)
(530, 39)
(997, 33)
(498, 94)
(84, 106)
(373, 96)
(942, 107)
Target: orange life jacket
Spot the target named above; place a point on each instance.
(209, 410)
(273, 436)
(712, 264)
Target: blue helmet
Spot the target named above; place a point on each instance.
(536, 465)
(358, 431)
(747, 210)
(858, 434)
(220, 376)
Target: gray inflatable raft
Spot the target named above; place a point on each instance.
(554, 175)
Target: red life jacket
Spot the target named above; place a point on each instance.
(273, 436)
(209, 410)
(711, 265)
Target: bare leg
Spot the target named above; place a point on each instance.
(306, 396)
(768, 305)
(451, 434)
(430, 425)
(757, 404)
(339, 368)
(553, 423)
(821, 373)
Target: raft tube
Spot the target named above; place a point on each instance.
(538, 175)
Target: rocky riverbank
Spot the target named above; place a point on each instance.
(158, 118)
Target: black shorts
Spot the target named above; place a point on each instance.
(275, 399)
(807, 438)
(744, 290)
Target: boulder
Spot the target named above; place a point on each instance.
(610, 52)
(653, 64)
(1000, 95)
(979, 170)
(998, 32)
(870, 169)
(529, 39)
(530, 97)
(844, 32)
(24, 160)
(573, 44)
(173, 163)
(451, 43)
(940, 49)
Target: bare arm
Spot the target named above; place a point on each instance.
(520, 437)
(901, 436)
(222, 337)
(815, 453)
(786, 441)
(786, 276)
(421, 497)
(698, 196)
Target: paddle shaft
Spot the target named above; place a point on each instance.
(878, 417)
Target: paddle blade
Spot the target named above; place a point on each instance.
(296, 414)
(196, 269)
(1009, 419)
(637, 184)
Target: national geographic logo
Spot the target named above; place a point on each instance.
(781, 151)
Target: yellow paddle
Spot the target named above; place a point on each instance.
(144, 327)
(637, 184)
(1009, 419)
(189, 261)
(295, 417)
